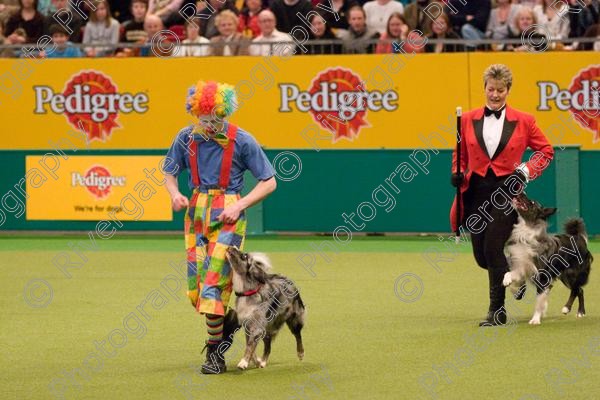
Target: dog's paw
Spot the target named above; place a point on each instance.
(301, 355)
(507, 279)
(580, 315)
(565, 310)
(243, 364)
(260, 363)
(535, 320)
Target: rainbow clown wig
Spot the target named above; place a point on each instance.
(211, 100)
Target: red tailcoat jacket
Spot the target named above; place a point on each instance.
(518, 133)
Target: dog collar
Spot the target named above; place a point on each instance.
(248, 292)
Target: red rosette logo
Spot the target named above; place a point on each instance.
(338, 101)
(91, 103)
(585, 102)
(98, 125)
(344, 121)
(98, 181)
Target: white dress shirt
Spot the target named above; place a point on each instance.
(492, 131)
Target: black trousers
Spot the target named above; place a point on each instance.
(488, 244)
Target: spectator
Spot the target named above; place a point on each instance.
(526, 21)
(416, 18)
(167, 10)
(133, 30)
(74, 25)
(442, 30)
(284, 47)
(46, 7)
(228, 42)
(470, 19)
(192, 30)
(7, 8)
(249, 25)
(62, 48)
(323, 32)
(102, 29)
(590, 16)
(121, 9)
(592, 32)
(500, 18)
(341, 7)
(5, 53)
(157, 44)
(397, 31)
(378, 13)
(553, 20)
(359, 38)
(286, 13)
(28, 21)
(208, 29)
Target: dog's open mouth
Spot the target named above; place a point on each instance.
(519, 203)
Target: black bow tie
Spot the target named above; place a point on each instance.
(497, 113)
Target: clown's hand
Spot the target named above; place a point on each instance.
(179, 201)
(230, 214)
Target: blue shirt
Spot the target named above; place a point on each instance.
(67, 52)
(247, 155)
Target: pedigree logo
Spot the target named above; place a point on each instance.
(338, 101)
(98, 181)
(582, 99)
(91, 102)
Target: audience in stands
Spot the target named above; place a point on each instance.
(531, 39)
(289, 13)
(441, 29)
(378, 12)
(70, 20)
(341, 7)
(553, 20)
(208, 12)
(167, 10)
(157, 43)
(470, 19)
(416, 17)
(228, 42)
(558, 24)
(25, 25)
(62, 48)
(7, 8)
(271, 41)
(397, 31)
(323, 32)
(249, 26)
(359, 37)
(500, 18)
(101, 29)
(192, 31)
(132, 31)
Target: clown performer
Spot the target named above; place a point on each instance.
(216, 153)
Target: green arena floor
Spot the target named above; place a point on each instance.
(383, 322)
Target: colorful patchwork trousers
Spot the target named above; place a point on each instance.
(206, 240)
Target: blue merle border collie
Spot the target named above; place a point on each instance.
(541, 258)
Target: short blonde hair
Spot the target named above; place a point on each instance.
(499, 72)
(226, 14)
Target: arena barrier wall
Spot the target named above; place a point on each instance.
(335, 128)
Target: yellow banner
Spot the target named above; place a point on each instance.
(95, 188)
(330, 102)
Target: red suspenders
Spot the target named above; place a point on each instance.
(225, 163)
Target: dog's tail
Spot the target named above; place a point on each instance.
(575, 227)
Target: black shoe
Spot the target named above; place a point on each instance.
(497, 318)
(519, 294)
(215, 362)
